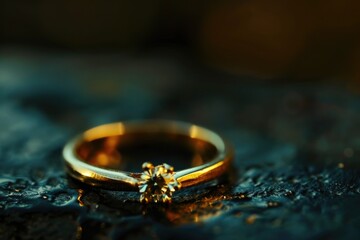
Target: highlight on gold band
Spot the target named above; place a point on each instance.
(94, 157)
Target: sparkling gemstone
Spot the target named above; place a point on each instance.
(157, 183)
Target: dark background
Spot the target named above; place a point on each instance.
(278, 79)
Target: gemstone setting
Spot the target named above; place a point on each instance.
(157, 183)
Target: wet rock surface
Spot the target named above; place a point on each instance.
(295, 175)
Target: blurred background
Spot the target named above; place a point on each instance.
(312, 40)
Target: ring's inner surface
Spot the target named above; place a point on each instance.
(127, 152)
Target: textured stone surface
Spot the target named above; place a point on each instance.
(296, 172)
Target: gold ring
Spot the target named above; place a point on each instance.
(95, 157)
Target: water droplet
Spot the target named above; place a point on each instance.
(242, 196)
(272, 204)
(18, 186)
(288, 193)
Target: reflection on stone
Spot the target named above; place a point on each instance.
(157, 183)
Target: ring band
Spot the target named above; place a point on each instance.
(90, 157)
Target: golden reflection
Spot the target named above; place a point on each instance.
(103, 131)
(79, 198)
(190, 212)
(106, 159)
(110, 143)
(251, 219)
(79, 231)
(195, 212)
(186, 211)
(107, 156)
(197, 160)
(87, 173)
(102, 159)
(194, 132)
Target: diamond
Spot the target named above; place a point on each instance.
(157, 183)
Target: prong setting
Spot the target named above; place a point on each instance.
(157, 183)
